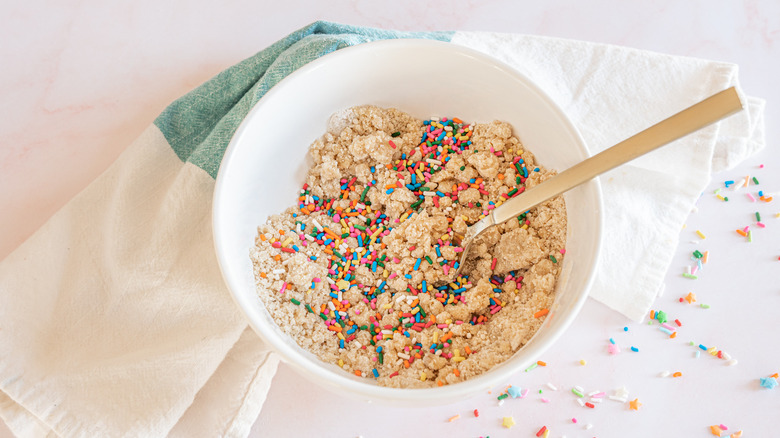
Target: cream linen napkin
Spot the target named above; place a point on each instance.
(113, 317)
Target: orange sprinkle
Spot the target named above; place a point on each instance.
(677, 374)
(673, 335)
(310, 207)
(447, 336)
(456, 372)
(541, 363)
(541, 313)
(500, 176)
(281, 232)
(468, 350)
(262, 274)
(277, 257)
(406, 363)
(358, 373)
(774, 375)
(440, 383)
(334, 328)
(743, 234)
(652, 314)
(457, 120)
(262, 237)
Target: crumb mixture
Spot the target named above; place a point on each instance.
(361, 272)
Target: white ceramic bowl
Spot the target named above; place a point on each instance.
(265, 164)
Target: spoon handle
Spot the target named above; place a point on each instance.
(687, 121)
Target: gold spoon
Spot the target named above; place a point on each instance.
(687, 121)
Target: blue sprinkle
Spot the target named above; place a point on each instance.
(373, 266)
(372, 169)
(408, 276)
(314, 258)
(441, 194)
(768, 382)
(379, 349)
(389, 191)
(417, 264)
(376, 373)
(334, 295)
(295, 247)
(634, 349)
(514, 391)
(341, 343)
(625, 329)
(424, 286)
(536, 170)
(382, 285)
(665, 330)
(702, 347)
(611, 340)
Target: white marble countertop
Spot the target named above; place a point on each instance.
(80, 80)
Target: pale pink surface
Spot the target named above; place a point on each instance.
(81, 81)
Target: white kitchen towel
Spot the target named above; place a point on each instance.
(114, 320)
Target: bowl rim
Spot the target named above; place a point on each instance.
(330, 378)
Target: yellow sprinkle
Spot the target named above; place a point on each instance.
(341, 363)
(435, 337)
(387, 306)
(456, 352)
(701, 234)
(582, 362)
(287, 242)
(423, 376)
(721, 197)
(385, 273)
(524, 226)
(415, 310)
(458, 359)
(340, 335)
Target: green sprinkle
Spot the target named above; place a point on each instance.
(577, 392)
(758, 217)
(308, 308)
(345, 235)
(726, 198)
(512, 192)
(687, 275)
(395, 134)
(338, 254)
(755, 181)
(363, 195)
(704, 306)
(518, 180)
(554, 260)
(462, 167)
(533, 365)
(416, 204)
(360, 227)
(698, 254)
(363, 327)
(324, 318)
(428, 259)
(294, 301)
(503, 396)
(381, 358)
(750, 236)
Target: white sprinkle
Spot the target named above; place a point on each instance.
(551, 386)
(309, 238)
(432, 161)
(500, 402)
(316, 224)
(726, 356)
(595, 400)
(588, 426)
(738, 185)
(732, 362)
(579, 388)
(664, 374)
(579, 400)
(278, 271)
(331, 306)
(403, 356)
(616, 398)
(592, 393)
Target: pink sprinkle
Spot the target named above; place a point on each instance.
(284, 286)
(598, 395)
(760, 225)
(457, 249)
(373, 305)
(573, 420)
(665, 325)
(441, 326)
(391, 143)
(545, 400)
(336, 218)
(316, 279)
(412, 248)
(392, 276)
(613, 349)
(563, 251)
(724, 427)
(446, 269)
(750, 197)
(524, 393)
(746, 229)
(760, 166)
(357, 311)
